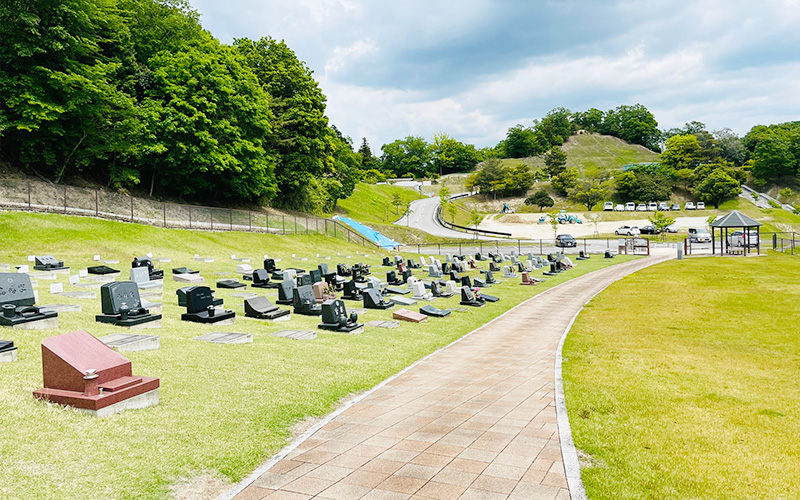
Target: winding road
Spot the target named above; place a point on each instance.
(423, 217)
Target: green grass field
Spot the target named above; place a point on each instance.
(680, 381)
(223, 410)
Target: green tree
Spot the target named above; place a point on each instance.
(589, 193)
(451, 209)
(661, 221)
(540, 198)
(556, 127)
(626, 185)
(591, 120)
(565, 181)
(555, 161)
(717, 187)
(301, 138)
(772, 157)
(786, 193)
(517, 180)
(396, 202)
(475, 219)
(684, 176)
(554, 222)
(207, 119)
(731, 147)
(681, 152)
(368, 161)
(488, 178)
(411, 155)
(523, 141)
(449, 155)
(634, 124)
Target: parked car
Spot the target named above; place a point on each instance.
(689, 205)
(652, 206)
(675, 207)
(663, 206)
(641, 207)
(650, 229)
(630, 206)
(738, 238)
(627, 231)
(672, 228)
(609, 205)
(701, 205)
(565, 240)
(619, 207)
(699, 235)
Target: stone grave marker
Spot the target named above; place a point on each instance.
(195, 279)
(121, 306)
(409, 315)
(438, 291)
(81, 371)
(48, 263)
(127, 342)
(145, 262)
(296, 334)
(405, 301)
(304, 301)
(335, 318)
(17, 309)
(286, 292)
(200, 308)
(184, 270)
(230, 284)
(469, 299)
(226, 338)
(373, 299)
(260, 307)
(429, 310)
(450, 287)
(8, 353)
(102, 271)
(383, 324)
(351, 291)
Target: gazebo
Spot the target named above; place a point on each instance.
(736, 220)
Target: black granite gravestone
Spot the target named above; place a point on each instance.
(488, 298)
(437, 289)
(355, 275)
(406, 275)
(479, 256)
(182, 292)
(316, 276)
(334, 317)
(413, 265)
(17, 301)
(398, 260)
(285, 292)
(392, 279)
(101, 270)
(553, 270)
(183, 270)
(260, 307)
(465, 281)
(494, 267)
(608, 255)
(429, 310)
(387, 262)
(454, 276)
(373, 299)
(343, 270)
(122, 306)
(446, 267)
(305, 302)
(489, 276)
(469, 299)
(200, 307)
(155, 274)
(261, 279)
(520, 267)
(230, 284)
(351, 291)
(362, 268)
(48, 263)
(269, 266)
(480, 283)
(304, 279)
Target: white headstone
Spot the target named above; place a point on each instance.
(233, 257)
(150, 254)
(96, 258)
(197, 256)
(373, 282)
(289, 274)
(448, 257)
(140, 274)
(450, 287)
(23, 269)
(422, 261)
(31, 258)
(419, 292)
(74, 279)
(56, 288)
(83, 273)
(411, 281)
(244, 268)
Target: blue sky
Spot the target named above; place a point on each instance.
(474, 68)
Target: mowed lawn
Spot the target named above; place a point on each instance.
(223, 410)
(683, 382)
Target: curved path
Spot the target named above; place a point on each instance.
(475, 420)
(423, 216)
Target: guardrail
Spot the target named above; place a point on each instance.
(520, 246)
(456, 227)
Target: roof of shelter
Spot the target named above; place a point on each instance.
(735, 219)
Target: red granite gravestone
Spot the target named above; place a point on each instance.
(81, 371)
(407, 315)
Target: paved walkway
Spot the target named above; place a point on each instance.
(474, 421)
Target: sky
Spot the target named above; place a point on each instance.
(474, 68)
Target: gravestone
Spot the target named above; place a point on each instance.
(126, 342)
(145, 262)
(608, 255)
(406, 275)
(141, 276)
(553, 270)
(392, 279)
(508, 272)
(480, 283)
(122, 306)
(403, 301)
(226, 338)
(468, 298)
(488, 298)
(8, 353)
(323, 292)
(335, 318)
(413, 265)
(465, 281)
(448, 257)
(526, 279)
(351, 291)
(316, 275)
(429, 310)
(261, 308)
(419, 291)
(387, 262)
(183, 270)
(296, 334)
(101, 270)
(402, 267)
(48, 263)
(356, 275)
(373, 282)
(434, 272)
(489, 276)
(343, 270)
(446, 268)
(304, 280)
(81, 371)
(304, 301)
(450, 287)
(397, 290)
(230, 284)
(582, 255)
(261, 279)
(409, 315)
(398, 260)
(290, 274)
(438, 291)
(17, 309)
(373, 299)
(200, 308)
(245, 269)
(286, 292)
(383, 324)
(188, 278)
(181, 293)
(422, 261)
(494, 267)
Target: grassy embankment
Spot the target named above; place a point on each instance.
(223, 409)
(681, 381)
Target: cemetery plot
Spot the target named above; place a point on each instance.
(261, 308)
(200, 308)
(335, 318)
(230, 284)
(304, 301)
(103, 270)
(433, 311)
(48, 263)
(126, 342)
(8, 353)
(383, 324)
(226, 338)
(122, 306)
(408, 315)
(296, 334)
(17, 309)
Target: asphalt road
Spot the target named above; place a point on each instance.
(423, 216)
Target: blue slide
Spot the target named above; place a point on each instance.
(371, 234)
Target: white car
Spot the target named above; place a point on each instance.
(630, 206)
(627, 231)
(663, 206)
(672, 228)
(652, 206)
(608, 205)
(641, 207)
(701, 205)
(619, 207)
(688, 206)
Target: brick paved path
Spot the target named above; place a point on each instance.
(474, 421)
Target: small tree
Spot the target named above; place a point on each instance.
(786, 193)
(555, 161)
(406, 211)
(540, 198)
(475, 219)
(554, 222)
(396, 202)
(589, 193)
(452, 210)
(661, 221)
(565, 181)
(717, 187)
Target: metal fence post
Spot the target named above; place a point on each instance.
(131, 208)
(164, 207)
(249, 221)
(65, 199)
(230, 218)
(284, 223)
(29, 195)
(190, 217)
(211, 211)
(96, 203)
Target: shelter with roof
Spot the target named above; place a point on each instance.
(735, 220)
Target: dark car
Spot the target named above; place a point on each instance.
(651, 229)
(565, 240)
